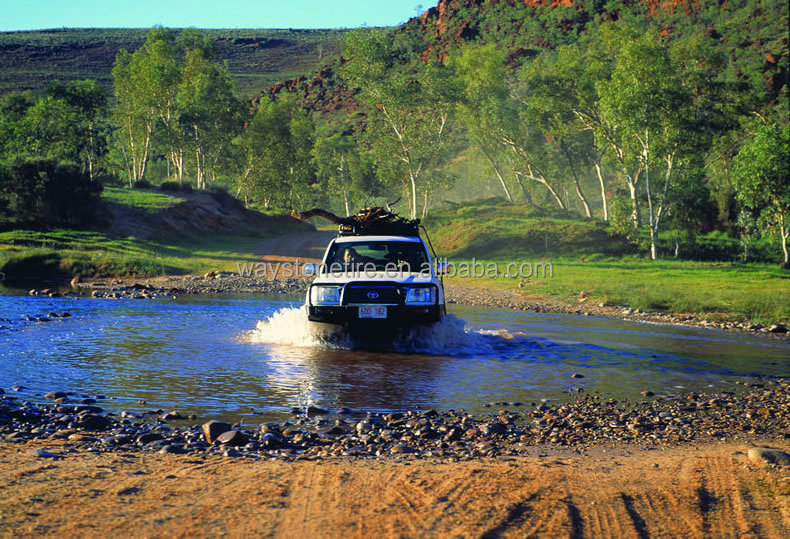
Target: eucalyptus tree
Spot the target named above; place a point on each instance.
(277, 145)
(648, 110)
(301, 172)
(49, 130)
(133, 116)
(210, 115)
(332, 156)
(483, 102)
(409, 108)
(554, 101)
(89, 100)
(761, 177)
(497, 118)
(147, 84)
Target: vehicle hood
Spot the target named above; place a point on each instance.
(375, 277)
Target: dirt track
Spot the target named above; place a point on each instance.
(306, 246)
(691, 492)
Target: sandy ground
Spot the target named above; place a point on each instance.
(691, 491)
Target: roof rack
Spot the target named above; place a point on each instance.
(396, 227)
(366, 222)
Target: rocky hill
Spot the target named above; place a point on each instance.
(524, 27)
(256, 58)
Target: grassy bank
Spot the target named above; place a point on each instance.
(591, 265)
(66, 253)
(34, 256)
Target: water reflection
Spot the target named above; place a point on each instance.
(214, 357)
(356, 378)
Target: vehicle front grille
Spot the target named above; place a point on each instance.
(364, 293)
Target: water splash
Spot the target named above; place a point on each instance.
(450, 336)
(290, 326)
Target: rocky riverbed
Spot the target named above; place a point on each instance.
(753, 410)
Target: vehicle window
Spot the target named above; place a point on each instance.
(406, 256)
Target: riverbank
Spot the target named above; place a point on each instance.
(749, 411)
(677, 465)
(477, 293)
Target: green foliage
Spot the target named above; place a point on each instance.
(69, 124)
(551, 105)
(277, 145)
(620, 216)
(175, 99)
(46, 193)
(761, 177)
(409, 112)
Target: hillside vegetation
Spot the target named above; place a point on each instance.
(256, 58)
(609, 130)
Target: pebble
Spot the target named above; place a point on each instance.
(211, 283)
(213, 429)
(753, 409)
(44, 454)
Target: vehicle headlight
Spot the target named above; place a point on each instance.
(325, 295)
(421, 296)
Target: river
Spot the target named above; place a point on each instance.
(252, 358)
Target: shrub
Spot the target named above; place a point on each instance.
(175, 186)
(45, 193)
(142, 184)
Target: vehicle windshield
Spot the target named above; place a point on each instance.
(406, 256)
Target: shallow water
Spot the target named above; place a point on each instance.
(246, 357)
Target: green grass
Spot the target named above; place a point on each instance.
(148, 201)
(723, 291)
(587, 258)
(66, 253)
(60, 254)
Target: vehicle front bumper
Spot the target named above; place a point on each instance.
(398, 316)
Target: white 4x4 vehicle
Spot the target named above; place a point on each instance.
(376, 282)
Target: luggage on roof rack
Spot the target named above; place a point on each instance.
(366, 222)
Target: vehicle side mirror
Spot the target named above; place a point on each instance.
(309, 269)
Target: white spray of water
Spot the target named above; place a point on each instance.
(290, 326)
(449, 336)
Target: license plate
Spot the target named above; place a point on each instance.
(372, 312)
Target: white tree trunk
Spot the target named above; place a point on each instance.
(634, 203)
(413, 184)
(603, 192)
(542, 180)
(784, 233)
(576, 184)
